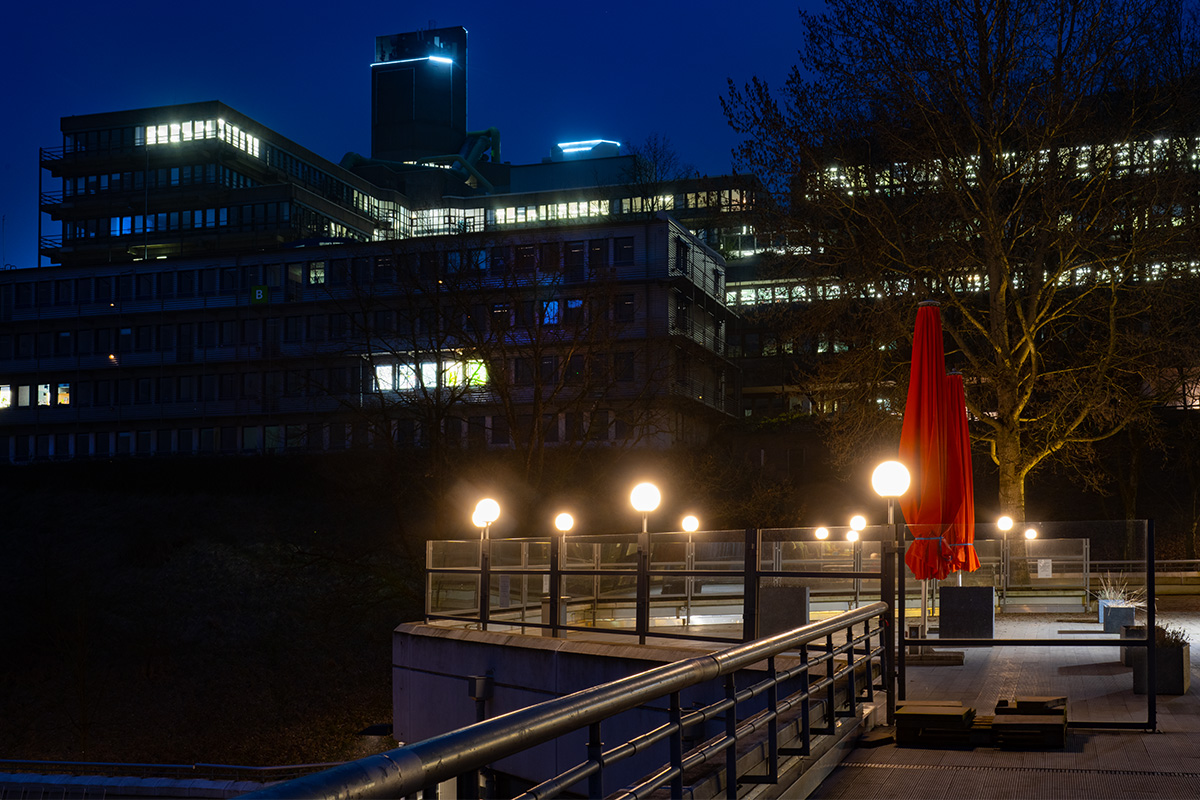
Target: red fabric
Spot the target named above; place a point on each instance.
(923, 450)
(960, 479)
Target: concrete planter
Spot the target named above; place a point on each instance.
(1131, 632)
(1173, 672)
(1114, 616)
(967, 612)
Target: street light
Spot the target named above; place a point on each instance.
(690, 523)
(822, 533)
(857, 523)
(645, 497)
(890, 479)
(487, 511)
(564, 522)
(1031, 533)
(1004, 523)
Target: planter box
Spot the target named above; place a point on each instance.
(1173, 670)
(1114, 617)
(1131, 632)
(781, 608)
(967, 612)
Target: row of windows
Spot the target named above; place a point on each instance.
(722, 200)
(574, 257)
(312, 328)
(1109, 160)
(164, 178)
(249, 217)
(522, 371)
(600, 425)
(260, 386)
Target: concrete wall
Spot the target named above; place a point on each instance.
(431, 666)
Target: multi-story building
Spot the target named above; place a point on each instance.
(216, 287)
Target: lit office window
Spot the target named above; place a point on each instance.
(5, 396)
(385, 380)
(64, 394)
(43, 398)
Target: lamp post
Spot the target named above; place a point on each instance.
(486, 512)
(645, 497)
(891, 480)
(1004, 523)
(691, 524)
(552, 606)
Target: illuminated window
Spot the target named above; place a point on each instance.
(64, 394)
(385, 380)
(406, 378)
(22, 395)
(43, 398)
(5, 396)
(476, 373)
(429, 374)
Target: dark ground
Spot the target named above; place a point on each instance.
(240, 610)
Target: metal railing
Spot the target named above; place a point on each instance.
(673, 585)
(834, 657)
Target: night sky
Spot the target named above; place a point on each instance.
(541, 72)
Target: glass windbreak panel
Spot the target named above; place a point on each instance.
(580, 588)
(606, 601)
(826, 596)
(452, 555)
(720, 550)
(456, 595)
(669, 551)
(601, 552)
(516, 593)
(709, 600)
(529, 553)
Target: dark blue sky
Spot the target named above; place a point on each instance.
(541, 72)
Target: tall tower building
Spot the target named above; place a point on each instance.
(419, 94)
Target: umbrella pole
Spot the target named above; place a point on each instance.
(924, 609)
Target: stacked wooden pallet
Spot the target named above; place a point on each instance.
(1019, 723)
(1030, 723)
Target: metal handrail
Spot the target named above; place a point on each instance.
(415, 767)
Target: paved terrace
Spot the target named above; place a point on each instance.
(1095, 764)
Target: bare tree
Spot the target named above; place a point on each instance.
(655, 168)
(522, 343)
(1026, 163)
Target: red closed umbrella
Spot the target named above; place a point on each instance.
(927, 508)
(960, 479)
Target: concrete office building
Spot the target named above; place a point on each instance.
(215, 287)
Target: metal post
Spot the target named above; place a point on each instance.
(887, 591)
(857, 566)
(642, 612)
(901, 621)
(485, 580)
(595, 753)
(773, 726)
(676, 746)
(556, 547)
(731, 782)
(689, 566)
(1151, 650)
(750, 585)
